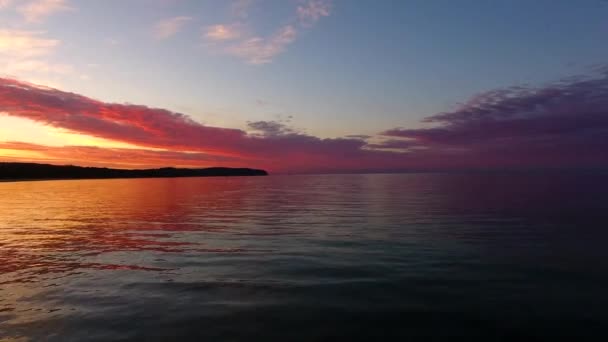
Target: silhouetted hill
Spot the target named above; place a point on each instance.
(10, 171)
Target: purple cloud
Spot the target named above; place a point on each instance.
(563, 124)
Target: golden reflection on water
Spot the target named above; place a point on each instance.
(110, 255)
(53, 230)
(61, 227)
(47, 227)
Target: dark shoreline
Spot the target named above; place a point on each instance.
(15, 172)
(17, 180)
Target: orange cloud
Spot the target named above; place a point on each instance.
(23, 51)
(25, 44)
(38, 10)
(223, 32)
(108, 157)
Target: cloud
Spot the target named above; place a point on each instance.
(236, 39)
(257, 50)
(564, 124)
(27, 52)
(38, 10)
(359, 136)
(25, 44)
(270, 128)
(311, 11)
(223, 32)
(169, 27)
(276, 148)
(112, 157)
(393, 144)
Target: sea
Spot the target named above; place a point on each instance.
(370, 257)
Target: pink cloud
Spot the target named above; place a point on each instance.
(37, 10)
(561, 125)
(275, 149)
(239, 40)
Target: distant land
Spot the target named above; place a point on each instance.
(33, 171)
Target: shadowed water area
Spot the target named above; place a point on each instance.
(305, 257)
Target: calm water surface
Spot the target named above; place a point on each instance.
(357, 257)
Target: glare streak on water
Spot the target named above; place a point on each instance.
(304, 257)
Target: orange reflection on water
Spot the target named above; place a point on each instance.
(65, 240)
(54, 226)
(53, 233)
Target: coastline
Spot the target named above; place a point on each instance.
(20, 172)
(15, 180)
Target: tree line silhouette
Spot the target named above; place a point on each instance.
(47, 171)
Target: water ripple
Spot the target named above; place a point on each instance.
(303, 257)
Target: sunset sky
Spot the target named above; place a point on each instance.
(304, 86)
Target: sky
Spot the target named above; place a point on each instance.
(305, 86)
